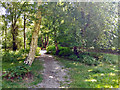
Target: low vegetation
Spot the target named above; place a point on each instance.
(104, 75)
(16, 74)
(88, 58)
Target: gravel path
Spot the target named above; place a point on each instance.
(54, 74)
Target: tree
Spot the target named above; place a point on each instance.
(33, 45)
(13, 12)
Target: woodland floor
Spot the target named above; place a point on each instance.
(53, 73)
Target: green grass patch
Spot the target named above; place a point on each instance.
(105, 75)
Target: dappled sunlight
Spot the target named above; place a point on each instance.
(42, 52)
(50, 76)
(90, 70)
(112, 74)
(49, 56)
(91, 80)
(115, 80)
(102, 74)
(11, 63)
(101, 64)
(20, 61)
(57, 67)
(108, 86)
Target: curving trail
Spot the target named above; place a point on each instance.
(53, 74)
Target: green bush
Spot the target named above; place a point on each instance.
(73, 57)
(37, 53)
(98, 70)
(89, 60)
(16, 72)
(10, 56)
(64, 51)
(51, 49)
(110, 58)
(95, 54)
(24, 51)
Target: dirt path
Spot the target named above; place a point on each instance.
(54, 74)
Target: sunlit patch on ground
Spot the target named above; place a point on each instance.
(112, 74)
(50, 76)
(91, 80)
(90, 70)
(49, 56)
(11, 63)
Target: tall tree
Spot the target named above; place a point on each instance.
(34, 41)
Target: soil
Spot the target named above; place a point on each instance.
(54, 74)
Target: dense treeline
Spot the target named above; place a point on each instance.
(74, 31)
(76, 25)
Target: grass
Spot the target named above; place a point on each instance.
(35, 68)
(105, 75)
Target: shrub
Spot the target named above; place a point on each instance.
(64, 51)
(37, 53)
(10, 57)
(89, 60)
(95, 54)
(16, 72)
(24, 51)
(73, 57)
(110, 58)
(51, 49)
(98, 70)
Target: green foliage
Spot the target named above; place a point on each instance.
(85, 76)
(95, 54)
(37, 53)
(10, 56)
(73, 57)
(24, 72)
(51, 49)
(109, 58)
(89, 60)
(99, 70)
(25, 51)
(14, 56)
(102, 70)
(64, 51)
(16, 72)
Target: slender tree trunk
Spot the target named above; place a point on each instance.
(14, 27)
(24, 32)
(45, 42)
(14, 43)
(34, 41)
(47, 39)
(5, 39)
(56, 44)
(75, 50)
(42, 41)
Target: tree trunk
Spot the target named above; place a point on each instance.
(47, 39)
(14, 28)
(24, 32)
(34, 41)
(5, 39)
(75, 50)
(56, 44)
(45, 42)
(42, 41)
(14, 43)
